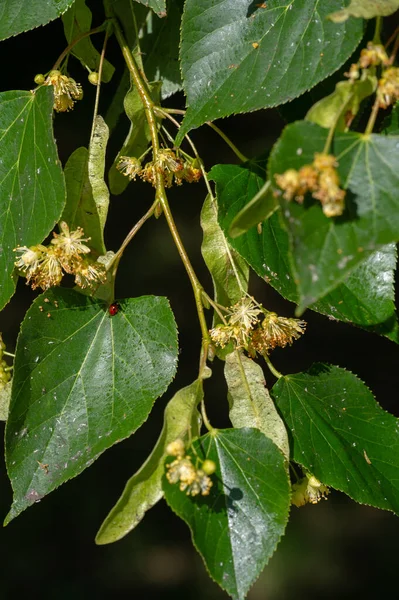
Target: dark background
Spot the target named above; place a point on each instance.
(335, 549)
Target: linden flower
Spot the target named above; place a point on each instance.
(176, 448)
(69, 246)
(331, 196)
(201, 485)
(66, 90)
(129, 166)
(374, 54)
(30, 258)
(181, 470)
(48, 273)
(276, 331)
(388, 87)
(89, 273)
(308, 490)
(244, 313)
(289, 183)
(168, 161)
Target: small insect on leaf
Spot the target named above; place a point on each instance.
(113, 308)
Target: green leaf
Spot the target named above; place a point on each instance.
(237, 527)
(77, 20)
(5, 396)
(32, 190)
(365, 297)
(339, 108)
(250, 402)
(366, 9)
(144, 489)
(259, 209)
(218, 257)
(17, 16)
(83, 380)
(96, 167)
(287, 48)
(137, 139)
(80, 209)
(160, 47)
(341, 435)
(324, 250)
(391, 123)
(158, 6)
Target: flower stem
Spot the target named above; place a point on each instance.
(76, 41)
(100, 70)
(373, 116)
(228, 141)
(272, 368)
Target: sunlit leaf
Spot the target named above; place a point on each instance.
(144, 489)
(32, 189)
(341, 435)
(237, 527)
(83, 381)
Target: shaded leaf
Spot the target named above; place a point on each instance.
(365, 297)
(144, 489)
(324, 250)
(339, 108)
(219, 258)
(96, 168)
(220, 46)
(259, 209)
(32, 190)
(237, 527)
(5, 396)
(80, 209)
(77, 20)
(17, 16)
(391, 123)
(366, 9)
(158, 6)
(83, 380)
(250, 402)
(341, 435)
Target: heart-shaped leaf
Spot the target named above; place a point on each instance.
(341, 435)
(237, 527)
(144, 489)
(287, 47)
(32, 189)
(83, 381)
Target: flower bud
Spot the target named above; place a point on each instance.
(39, 79)
(93, 77)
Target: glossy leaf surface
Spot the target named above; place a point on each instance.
(17, 16)
(32, 189)
(83, 381)
(286, 47)
(341, 435)
(237, 527)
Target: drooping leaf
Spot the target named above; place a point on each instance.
(259, 209)
(366, 9)
(250, 402)
(341, 435)
(324, 250)
(365, 297)
(144, 489)
(229, 271)
(83, 381)
(77, 20)
(158, 6)
(80, 209)
(160, 47)
(32, 189)
(286, 47)
(339, 108)
(17, 16)
(96, 168)
(138, 137)
(237, 527)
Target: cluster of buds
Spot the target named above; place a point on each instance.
(191, 480)
(321, 179)
(256, 330)
(169, 164)
(308, 490)
(66, 90)
(388, 85)
(44, 266)
(5, 374)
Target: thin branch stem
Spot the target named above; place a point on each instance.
(8, 354)
(228, 141)
(392, 38)
(76, 41)
(271, 367)
(377, 31)
(373, 117)
(205, 417)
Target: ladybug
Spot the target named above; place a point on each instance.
(113, 308)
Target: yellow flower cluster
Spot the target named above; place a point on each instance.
(5, 374)
(320, 178)
(169, 165)
(246, 330)
(308, 490)
(388, 87)
(66, 90)
(191, 480)
(44, 266)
